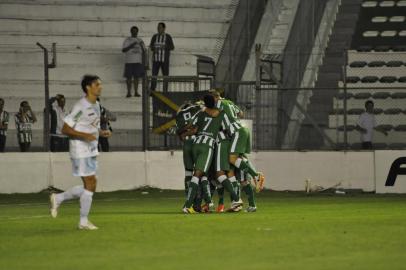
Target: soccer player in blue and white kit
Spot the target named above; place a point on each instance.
(82, 125)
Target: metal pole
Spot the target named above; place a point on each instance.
(345, 100)
(46, 112)
(145, 114)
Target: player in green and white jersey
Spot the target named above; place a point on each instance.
(240, 146)
(183, 119)
(206, 125)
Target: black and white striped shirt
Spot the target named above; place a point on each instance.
(4, 118)
(24, 127)
(161, 45)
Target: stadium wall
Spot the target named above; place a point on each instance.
(33, 172)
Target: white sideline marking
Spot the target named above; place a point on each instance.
(24, 217)
(6, 204)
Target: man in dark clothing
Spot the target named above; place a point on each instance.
(59, 141)
(4, 118)
(105, 117)
(161, 46)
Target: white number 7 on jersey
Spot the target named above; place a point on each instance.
(208, 120)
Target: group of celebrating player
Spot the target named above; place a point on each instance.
(215, 149)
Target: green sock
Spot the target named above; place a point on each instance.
(246, 167)
(187, 182)
(249, 191)
(212, 190)
(191, 194)
(235, 188)
(206, 191)
(229, 187)
(220, 192)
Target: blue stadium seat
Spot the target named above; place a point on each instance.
(355, 111)
(342, 95)
(402, 79)
(353, 79)
(392, 111)
(349, 128)
(380, 95)
(378, 111)
(376, 64)
(379, 146)
(369, 79)
(394, 63)
(388, 79)
(398, 95)
(358, 64)
(385, 127)
(395, 146)
(400, 128)
(362, 95)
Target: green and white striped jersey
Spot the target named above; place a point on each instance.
(208, 127)
(184, 118)
(231, 114)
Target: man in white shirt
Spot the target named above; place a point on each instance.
(134, 49)
(366, 125)
(82, 125)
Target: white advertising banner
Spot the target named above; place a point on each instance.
(390, 171)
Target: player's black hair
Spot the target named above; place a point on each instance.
(23, 103)
(185, 106)
(368, 102)
(87, 80)
(1, 99)
(163, 24)
(209, 101)
(134, 27)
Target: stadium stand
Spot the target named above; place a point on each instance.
(89, 36)
(375, 60)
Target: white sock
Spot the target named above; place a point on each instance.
(69, 194)
(238, 162)
(232, 179)
(85, 204)
(221, 178)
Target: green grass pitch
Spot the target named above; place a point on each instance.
(289, 231)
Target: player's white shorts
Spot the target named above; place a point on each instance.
(84, 166)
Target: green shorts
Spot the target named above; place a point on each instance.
(241, 142)
(187, 155)
(222, 154)
(202, 157)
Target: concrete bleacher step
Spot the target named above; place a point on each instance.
(29, 89)
(72, 72)
(116, 104)
(117, 10)
(125, 120)
(103, 28)
(375, 87)
(195, 43)
(379, 103)
(354, 55)
(121, 139)
(355, 136)
(89, 36)
(34, 56)
(380, 71)
(338, 120)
